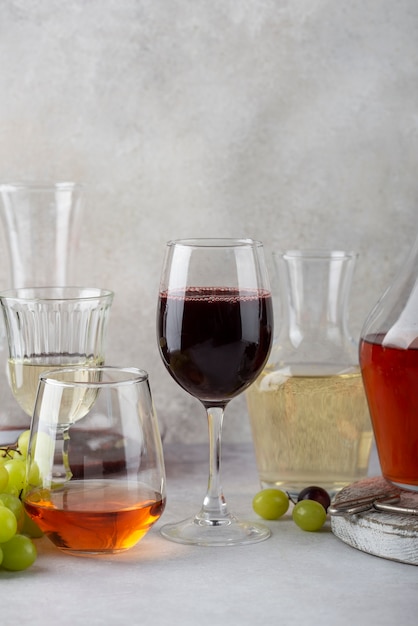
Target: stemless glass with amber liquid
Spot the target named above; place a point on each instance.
(96, 479)
(308, 410)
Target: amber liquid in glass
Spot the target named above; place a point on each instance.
(390, 378)
(97, 516)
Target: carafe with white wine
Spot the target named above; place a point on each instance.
(308, 410)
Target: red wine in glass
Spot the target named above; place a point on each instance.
(215, 340)
(214, 327)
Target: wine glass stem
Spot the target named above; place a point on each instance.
(63, 440)
(214, 506)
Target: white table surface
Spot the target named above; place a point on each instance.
(293, 578)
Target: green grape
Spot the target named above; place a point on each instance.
(4, 477)
(8, 524)
(271, 503)
(23, 442)
(17, 475)
(1, 555)
(19, 553)
(14, 504)
(30, 528)
(309, 515)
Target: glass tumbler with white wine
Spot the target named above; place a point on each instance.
(49, 328)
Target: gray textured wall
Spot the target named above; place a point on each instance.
(295, 122)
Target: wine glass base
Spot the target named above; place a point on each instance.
(226, 531)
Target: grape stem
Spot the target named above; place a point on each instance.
(290, 498)
(5, 451)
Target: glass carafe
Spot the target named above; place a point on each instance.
(389, 365)
(308, 410)
(41, 228)
(41, 225)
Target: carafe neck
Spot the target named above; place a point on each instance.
(314, 288)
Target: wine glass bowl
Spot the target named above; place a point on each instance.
(215, 325)
(95, 471)
(218, 313)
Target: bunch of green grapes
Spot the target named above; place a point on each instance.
(17, 550)
(309, 512)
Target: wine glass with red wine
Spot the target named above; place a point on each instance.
(215, 327)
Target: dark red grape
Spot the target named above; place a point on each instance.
(315, 493)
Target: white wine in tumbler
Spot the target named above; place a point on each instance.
(24, 374)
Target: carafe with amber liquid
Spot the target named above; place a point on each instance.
(308, 410)
(389, 365)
